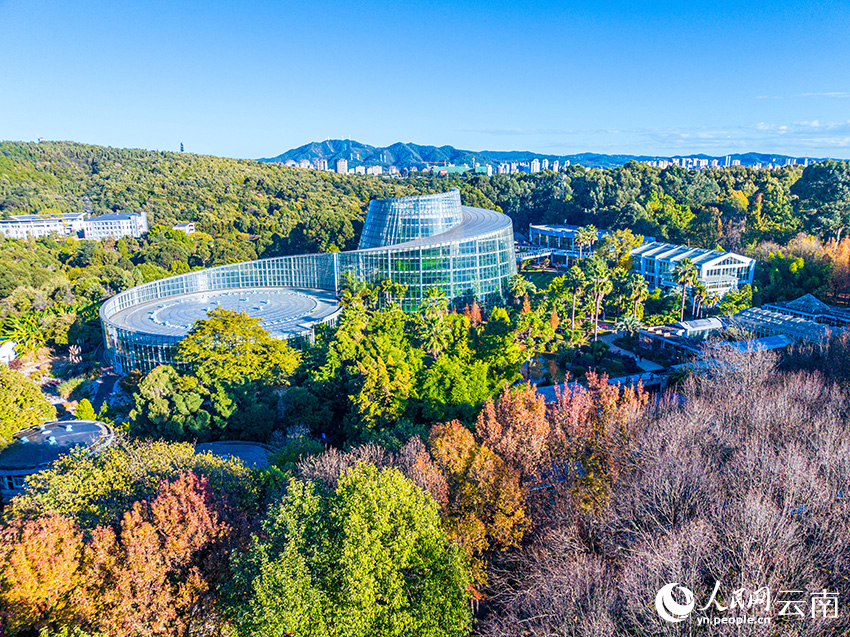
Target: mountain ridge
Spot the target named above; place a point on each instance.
(408, 154)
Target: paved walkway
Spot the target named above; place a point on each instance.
(107, 384)
(643, 363)
(647, 378)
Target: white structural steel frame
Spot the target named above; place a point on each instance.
(472, 259)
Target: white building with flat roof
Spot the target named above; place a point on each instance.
(185, 226)
(23, 226)
(77, 225)
(560, 241)
(116, 225)
(719, 271)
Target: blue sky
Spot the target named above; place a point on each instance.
(253, 79)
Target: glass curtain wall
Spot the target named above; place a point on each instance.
(465, 268)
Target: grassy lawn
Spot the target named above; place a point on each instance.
(540, 278)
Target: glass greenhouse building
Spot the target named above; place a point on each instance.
(423, 242)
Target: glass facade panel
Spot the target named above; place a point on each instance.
(421, 242)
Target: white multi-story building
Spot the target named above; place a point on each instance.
(375, 170)
(23, 226)
(304, 163)
(77, 225)
(342, 166)
(719, 271)
(559, 242)
(185, 226)
(534, 166)
(116, 225)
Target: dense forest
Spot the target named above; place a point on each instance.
(791, 219)
(419, 484)
(732, 207)
(529, 519)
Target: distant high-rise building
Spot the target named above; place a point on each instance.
(535, 166)
(360, 170)
(374, 170)
(728, 159)
(342, 166)
(715, 163)
(736, 162)
(304, 163)
(544, 164)
(805, 162)
(556, 165)
(322, 164)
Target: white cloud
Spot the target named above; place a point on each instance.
(835, 94)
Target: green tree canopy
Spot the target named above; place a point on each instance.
(22, 404)
(368, 559)
(231, 347)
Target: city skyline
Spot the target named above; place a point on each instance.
(251, 81)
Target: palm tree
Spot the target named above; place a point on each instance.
(577, 281)
(638, 291)
(599, 284)
(711, 300)
(392, 291)
(699, 293)
(685, 273)
(352, 290)
(630, 324)
(585, 237)
(518, 286)
(26, 331)
(619, 278)
(579, 338)
(434, 330)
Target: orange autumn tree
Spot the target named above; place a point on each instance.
(838, 254)
(154, 573)
(41, 573)
(486, 507)
(473, 313)
(157, 573)
(517, 428)
(592, 429)
(554, 320)
(581, 439)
